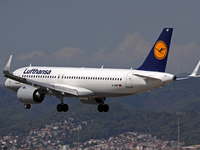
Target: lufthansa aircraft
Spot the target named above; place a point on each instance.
(90, 85)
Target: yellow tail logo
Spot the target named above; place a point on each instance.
(160, 50)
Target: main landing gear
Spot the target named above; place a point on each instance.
(62, 107)
(103, 107)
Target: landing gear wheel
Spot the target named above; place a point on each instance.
(65, 107)
(105, 108)
(27, 106)
(59, 108)
(62, 107)
(100, 107)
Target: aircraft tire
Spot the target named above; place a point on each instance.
(100, 107)
(65, 107)
(27, 106)
(59, 107)
(105, 108)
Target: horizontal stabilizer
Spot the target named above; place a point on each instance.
(193, 74)
(195, 70)
(146, 76)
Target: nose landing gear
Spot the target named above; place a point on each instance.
(27, 106)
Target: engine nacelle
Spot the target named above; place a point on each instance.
(93, 101)
(29, 95)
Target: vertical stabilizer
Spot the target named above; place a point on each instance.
(157, 58)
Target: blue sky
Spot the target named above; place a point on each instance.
(93, 33)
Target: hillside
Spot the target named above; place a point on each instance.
(104, 125)
(181, 95)
(149, 113)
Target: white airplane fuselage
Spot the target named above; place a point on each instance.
(94, 82)
(92, 85)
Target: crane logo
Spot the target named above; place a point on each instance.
(160, 50)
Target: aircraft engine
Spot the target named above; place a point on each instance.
(30, 95)
(93, 101)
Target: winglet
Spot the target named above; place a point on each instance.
(193, 74)
(7, 67)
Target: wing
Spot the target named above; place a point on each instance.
(49, 88)
(193, 74)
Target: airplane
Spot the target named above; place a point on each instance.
(92, 85)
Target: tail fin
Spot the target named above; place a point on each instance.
(157, 58)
